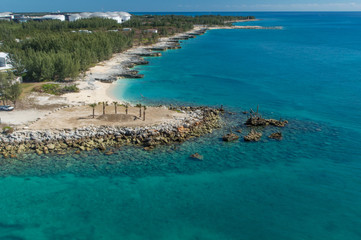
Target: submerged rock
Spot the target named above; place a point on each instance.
(277, 123)
(255, 121)
(230, 137)
(276, 135)
(196, 156)
(253, 136)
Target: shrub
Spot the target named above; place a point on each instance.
(8, 130)
(56, 89)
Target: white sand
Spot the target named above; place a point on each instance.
(18, 117)
(91, 92)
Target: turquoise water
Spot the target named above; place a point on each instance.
(307, 186)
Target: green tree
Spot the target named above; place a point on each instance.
(104, 106)
(126, 106)
(139, 105)
(93, 105)
(115, 106)
(14, 92)
(144, 108)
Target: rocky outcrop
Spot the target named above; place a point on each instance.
(253, 136)
(230, 137)
(276, 135)
(131, 74)
(256, 121)
(198, 121)
(148, 54)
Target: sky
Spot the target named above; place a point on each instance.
(177, 5)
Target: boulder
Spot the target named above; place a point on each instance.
(196, 156)
(253, 136)
(256, 121)
(276, 135)
(230, 137)
(51, 146)
(277, 123)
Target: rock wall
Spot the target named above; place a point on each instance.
(199, 121)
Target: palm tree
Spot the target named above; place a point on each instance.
(104, 105)
(126, 108)
(139, 105)
(144, 108)
(93, 106)
(115, 107)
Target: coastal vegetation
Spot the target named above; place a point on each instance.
(56, 89)
(10, 90)
(60, 51)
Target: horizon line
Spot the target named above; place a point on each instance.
(204, 11)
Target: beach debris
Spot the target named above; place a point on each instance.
(253, 136)
(276, 135)
(196, 156)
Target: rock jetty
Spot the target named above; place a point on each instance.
(198, 121)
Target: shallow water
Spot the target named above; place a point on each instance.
(306, 186)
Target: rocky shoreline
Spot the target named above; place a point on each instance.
(136, 55)
(198, 121)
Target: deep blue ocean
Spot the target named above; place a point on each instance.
(307, 186)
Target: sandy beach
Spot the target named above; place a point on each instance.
(92, 89)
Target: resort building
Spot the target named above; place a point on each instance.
(7, 16)
(52, 17)
(4, 61)
(120, 17)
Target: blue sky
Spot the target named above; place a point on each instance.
(180, 5)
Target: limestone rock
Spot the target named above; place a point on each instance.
(230, 137)
(253, 136)
(196, 156)
(276, 135)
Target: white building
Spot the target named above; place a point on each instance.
(120, 17)
(4, 61)
(6, 16)
(54, 17)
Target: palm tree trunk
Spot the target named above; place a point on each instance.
(93, 112)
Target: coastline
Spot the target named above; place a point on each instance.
(119, 66)
(97, 86)
(93, 91)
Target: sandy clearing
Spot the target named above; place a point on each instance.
(18, 117)
(81, 116)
